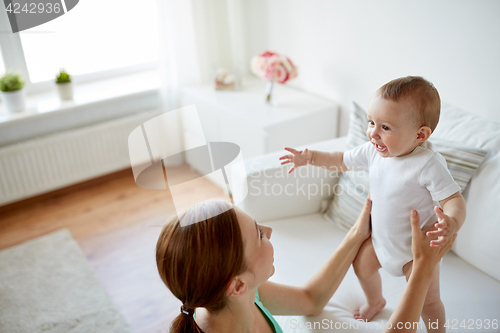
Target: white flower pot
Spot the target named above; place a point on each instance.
(14, 100)
(65, 90)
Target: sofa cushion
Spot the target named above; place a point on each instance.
(457, 125)
(354, 185)
(274, 193)
(462, 161)
(303, 244)
(478, 241)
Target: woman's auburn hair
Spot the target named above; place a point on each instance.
(198, 261)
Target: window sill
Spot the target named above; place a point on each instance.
(92, 103)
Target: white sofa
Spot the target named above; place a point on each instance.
(303, 239)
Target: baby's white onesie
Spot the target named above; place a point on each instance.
(417, 181)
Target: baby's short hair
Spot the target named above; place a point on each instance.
(420, 93)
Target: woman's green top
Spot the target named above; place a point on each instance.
(269, 317)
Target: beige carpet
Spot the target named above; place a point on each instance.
(47, 285)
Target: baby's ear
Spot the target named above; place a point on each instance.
(423, 133)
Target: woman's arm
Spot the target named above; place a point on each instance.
(311, 298)
(425, 259)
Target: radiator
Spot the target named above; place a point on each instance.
(51, 162)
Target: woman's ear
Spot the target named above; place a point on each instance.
(423, 133)
(237, 287)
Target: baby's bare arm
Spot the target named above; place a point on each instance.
(450, 218)
(329, 160)
(454, 206)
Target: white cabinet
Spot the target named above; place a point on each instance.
(243, 117)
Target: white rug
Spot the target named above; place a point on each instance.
(47, 285)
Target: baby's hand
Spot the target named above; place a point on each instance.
(298, 158)
(446, 227)
(421, 245)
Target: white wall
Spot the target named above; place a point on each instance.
(347, 49)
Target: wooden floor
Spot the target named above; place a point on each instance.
(116, 223)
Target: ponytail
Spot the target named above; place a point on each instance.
(185, 323)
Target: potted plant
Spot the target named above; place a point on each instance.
(64, 85)
(12, 92)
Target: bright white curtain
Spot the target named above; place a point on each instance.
(184, 56)
(196, 37)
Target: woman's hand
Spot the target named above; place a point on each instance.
(298, 158)
(420, 246)
(425, 259)
(362, 227)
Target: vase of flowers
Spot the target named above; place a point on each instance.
(272, 67)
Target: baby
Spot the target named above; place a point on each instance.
(405, 174)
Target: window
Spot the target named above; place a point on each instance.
(2, 66)
(94, 36)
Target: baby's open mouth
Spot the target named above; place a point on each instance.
(380, 148)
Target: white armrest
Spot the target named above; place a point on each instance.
(275, 194)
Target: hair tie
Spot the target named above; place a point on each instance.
(186, 310)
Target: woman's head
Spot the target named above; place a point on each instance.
(205, 262)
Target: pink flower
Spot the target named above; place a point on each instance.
(272, 66)
(279, 74)
(292, 70)
(266, 54)
(258, 66)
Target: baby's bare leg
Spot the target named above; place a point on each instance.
(366, 267)
(433, 312)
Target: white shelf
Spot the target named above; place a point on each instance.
(243, 117)
(249, 103)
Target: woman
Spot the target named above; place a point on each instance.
(219, 269)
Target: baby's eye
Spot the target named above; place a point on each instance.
(371, 122)
(261, 233)
(385, 128)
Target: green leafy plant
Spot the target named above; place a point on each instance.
(63, 77)
(11, 81)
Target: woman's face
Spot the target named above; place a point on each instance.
(259, 253)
